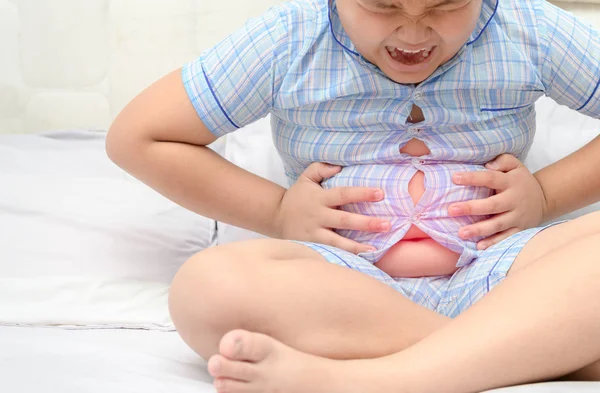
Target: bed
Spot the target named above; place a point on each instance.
(86, 251)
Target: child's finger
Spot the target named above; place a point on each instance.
(340, 196)
(490, 179)
(339, 219)
(490, 241)
(504, 163)
(495, 204)
(333, 239)
(486, 228)
(318, 171)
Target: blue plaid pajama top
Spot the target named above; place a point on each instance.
(329, 104)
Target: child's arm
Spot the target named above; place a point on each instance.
(573, 182)
(568, 64)
(570, 55)
(159, 139)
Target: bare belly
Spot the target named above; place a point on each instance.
(417, 255)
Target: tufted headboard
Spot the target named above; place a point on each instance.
(73, 64)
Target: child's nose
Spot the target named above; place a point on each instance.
(414, 33)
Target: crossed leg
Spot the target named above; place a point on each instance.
(291, 293)
(522, 331)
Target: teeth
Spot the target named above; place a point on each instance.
(392, 50)
(411, 51)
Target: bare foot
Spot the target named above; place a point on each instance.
(253, 362)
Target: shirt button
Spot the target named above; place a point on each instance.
(418, 96)
(414, 130)
(416, 161)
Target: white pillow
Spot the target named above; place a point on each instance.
(560, 131)
(82, 243)
(252, 148)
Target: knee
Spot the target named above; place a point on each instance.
(205, 288)
(195, 305)
(216, 290)
(212, 288)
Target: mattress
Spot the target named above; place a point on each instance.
(34, 360)
(98, 361)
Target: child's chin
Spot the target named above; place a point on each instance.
(409, 79)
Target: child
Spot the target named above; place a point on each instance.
(378, 108)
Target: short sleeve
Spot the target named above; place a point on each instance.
(571, 70)
(235, 82)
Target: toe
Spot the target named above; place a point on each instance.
(221, 367)
(224, 385)
(214, 365)
(245, 345)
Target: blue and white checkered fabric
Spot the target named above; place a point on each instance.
(446, 295)
(329, 104)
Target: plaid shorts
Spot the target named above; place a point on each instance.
(446, 295)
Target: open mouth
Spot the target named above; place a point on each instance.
(410, 57)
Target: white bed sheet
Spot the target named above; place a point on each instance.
(36, 360)
(53, 360)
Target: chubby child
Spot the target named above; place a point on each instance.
(400, 124)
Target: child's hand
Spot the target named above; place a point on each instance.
(519, 202)
(309, 213)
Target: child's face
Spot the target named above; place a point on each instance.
(409, 39)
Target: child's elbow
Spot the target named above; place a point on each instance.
(122, 140)
(113, 144)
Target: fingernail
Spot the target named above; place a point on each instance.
(482, 246)
(378, 194)
(384, 226)
(371, 249)
(466, 234)
(455, 210)
(458, 179)
(492, 165)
